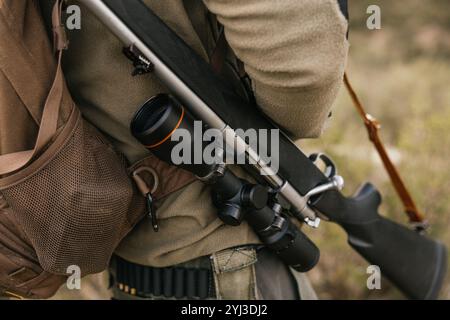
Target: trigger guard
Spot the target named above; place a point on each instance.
(330, 170)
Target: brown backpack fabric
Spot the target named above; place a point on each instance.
(20, 272)
(65, 195)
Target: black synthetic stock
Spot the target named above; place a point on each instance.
(413, 262)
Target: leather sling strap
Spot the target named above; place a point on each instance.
(218, 55)
(373, 126)
(199, 17)
(49, 121)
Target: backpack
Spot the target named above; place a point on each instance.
(66, 197)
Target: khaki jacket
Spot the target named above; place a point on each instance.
(295, 53)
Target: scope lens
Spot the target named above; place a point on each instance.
(154, 124)
(153, 118)
(156, 120)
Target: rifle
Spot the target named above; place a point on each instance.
(413, 262)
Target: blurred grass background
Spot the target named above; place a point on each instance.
(402, 74)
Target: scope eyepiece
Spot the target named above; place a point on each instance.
(156, 121)
(154, 125)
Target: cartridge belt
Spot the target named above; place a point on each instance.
(170, 282)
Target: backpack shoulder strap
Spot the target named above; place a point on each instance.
(49, 121)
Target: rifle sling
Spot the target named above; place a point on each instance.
(373, 126)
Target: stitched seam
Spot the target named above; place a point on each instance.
(243, 251)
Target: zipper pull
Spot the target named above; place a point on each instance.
(152, 212)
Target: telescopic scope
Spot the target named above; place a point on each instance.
(235, 198)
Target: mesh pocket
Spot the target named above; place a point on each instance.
(78, 206)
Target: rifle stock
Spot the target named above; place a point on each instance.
(413, 262)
